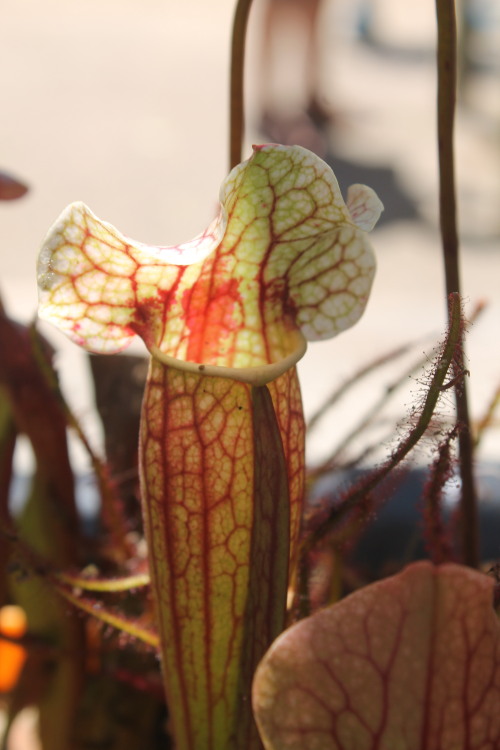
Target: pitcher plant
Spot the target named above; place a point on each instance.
(225, 318)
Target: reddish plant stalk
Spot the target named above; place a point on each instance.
(447, 83)
(237, 88)
(437, 533)
(366, 485)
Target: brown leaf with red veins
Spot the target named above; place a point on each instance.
(11, 188)
(37, 413)
(408, 663)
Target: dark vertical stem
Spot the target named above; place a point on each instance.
(447, 82)
(236, 104)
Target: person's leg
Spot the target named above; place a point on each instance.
(291, 16)
(298, 125)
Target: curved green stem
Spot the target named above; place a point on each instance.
(237, 117)
(109, 585)
(114, 619)
(447, 82)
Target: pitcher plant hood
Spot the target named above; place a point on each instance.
(285, 261)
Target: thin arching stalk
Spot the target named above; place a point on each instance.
(447, 83)
(423, 418)
(236, 104)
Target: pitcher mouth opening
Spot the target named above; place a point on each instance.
(256, 375)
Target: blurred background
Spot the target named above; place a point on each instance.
(124, 105)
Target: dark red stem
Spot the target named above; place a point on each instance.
(447, 83)
(236, 104)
